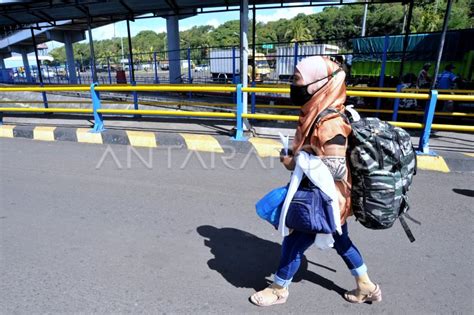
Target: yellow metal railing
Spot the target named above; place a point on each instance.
(224, 89)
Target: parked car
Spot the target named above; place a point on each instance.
(201, 68)
(164, 66)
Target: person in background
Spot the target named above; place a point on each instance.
(349, 65)
(408, 82)
(447, 81)
(424, 80)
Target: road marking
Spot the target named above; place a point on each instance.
(202, 143)
(432, 163)
(142, 139)
(6, 131)
(83, 135)
(469, 154)
(43, 133)
(266, 147)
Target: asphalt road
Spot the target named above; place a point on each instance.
(180, 235)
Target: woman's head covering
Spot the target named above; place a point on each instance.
(330, 92)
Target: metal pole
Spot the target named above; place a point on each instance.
(405, 39)
(295, 55)
(38, 65)
(254, 59)
(67, 75)
(47, 71)
(156, 68)
(132, 67)
(239, 127)
(244, 49)
(190, 79)
(132, 73)
(234, 79)
(123, 56)
(254, 46)
(441, 43)
(396, 104)
(382, 71)
(423, 146)
(364, 19)
(108, 69)
(91, 47)
(253, 100)
(96, 105)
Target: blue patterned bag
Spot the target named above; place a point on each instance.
(269, 207)
(310, 211)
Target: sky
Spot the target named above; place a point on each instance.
(215, 19)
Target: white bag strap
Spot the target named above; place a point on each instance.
(354, 114)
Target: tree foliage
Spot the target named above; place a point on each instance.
(342, 22)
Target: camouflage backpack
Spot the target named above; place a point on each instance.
(382, 162)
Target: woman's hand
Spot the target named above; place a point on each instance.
(287, 160)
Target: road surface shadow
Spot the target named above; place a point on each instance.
(245, 260)
(465, 192)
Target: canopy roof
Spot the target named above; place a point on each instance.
(22, 13)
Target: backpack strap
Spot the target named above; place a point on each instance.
(406, 229)
(326, 112)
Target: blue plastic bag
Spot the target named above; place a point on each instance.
(269, 207)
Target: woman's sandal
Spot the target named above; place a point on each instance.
(273, 296)
(355, 296)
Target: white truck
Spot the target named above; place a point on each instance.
(285, 57)
(222, 64)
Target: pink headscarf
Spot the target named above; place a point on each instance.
(330, 92)
(312, 69)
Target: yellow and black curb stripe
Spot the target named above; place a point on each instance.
(457, 162)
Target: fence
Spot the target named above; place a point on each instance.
(375, 63)
(239, 115)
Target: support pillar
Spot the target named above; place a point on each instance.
(68, 38)
(172, 28)
(26, 65)
(244, 52)
(71, 64)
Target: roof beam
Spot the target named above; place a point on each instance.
(43, 18)
(82, 9)
(130, 11)
(49, 17)
(12, 19)
(172, 4)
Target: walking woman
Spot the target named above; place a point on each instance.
(319, 84)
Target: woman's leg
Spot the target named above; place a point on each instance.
(293, 248)
(294, 245)
(366, 289)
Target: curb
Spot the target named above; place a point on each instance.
(448, 162)
(144, 139)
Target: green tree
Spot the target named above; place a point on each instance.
(337, 22)
(298, 32)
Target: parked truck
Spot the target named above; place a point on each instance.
(223, 64)
(285, 57)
